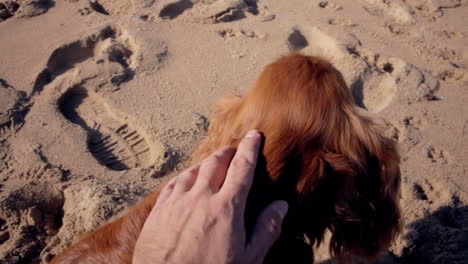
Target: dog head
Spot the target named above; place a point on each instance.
(331, 163)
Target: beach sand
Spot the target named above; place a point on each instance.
(101, 99)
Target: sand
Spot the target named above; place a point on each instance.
(101, 99)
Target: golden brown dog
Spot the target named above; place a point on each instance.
(332, 164)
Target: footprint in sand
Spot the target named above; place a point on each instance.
(174, 9)
(373, 88)
(232, 33)
(341, 22)
(374, 80)
(8, 9)
(396, 29)
(23, 8)
(448, 34)
(113, 142)
(30, 215)
(329, 5)
(210, 12)
(12, 105)
(111, 7)
(110, 54)
(419, 193)
(85, 70)
(112, 49)
(4, 233)
(432, 192)
(438, 155)
(407, 11)
(396, 10)
(433, 8)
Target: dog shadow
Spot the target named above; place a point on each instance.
(441, 237)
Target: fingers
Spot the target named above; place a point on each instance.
(241, 170)
(165, 193)
(186, 180)
(213, 170)
(267, 230)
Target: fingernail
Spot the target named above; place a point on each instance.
(252, 133)
(282, 208)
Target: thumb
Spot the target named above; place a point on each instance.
(267, 230)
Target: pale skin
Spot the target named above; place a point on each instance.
(199, 215)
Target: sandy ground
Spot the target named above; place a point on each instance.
(99, 100)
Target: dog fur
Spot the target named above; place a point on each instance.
(321, 154)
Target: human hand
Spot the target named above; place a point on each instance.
(199, 215)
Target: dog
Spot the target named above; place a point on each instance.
(322, 154)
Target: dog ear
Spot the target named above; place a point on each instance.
(366, 216)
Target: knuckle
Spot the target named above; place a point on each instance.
(188, 174)
(171, 183)
(193, 170)
(242, 191)
(225, 208)
(184, 178)
(189, 171)
(227, 212)
(234, 202)
(211, 220)
(242, 162)
(213, 160)
(273, 224)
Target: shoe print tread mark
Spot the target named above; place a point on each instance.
(113, 143)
